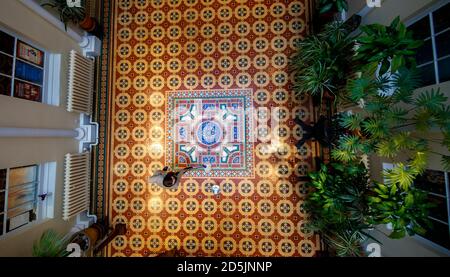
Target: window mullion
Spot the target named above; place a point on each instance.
(5, 209)
(13, 75)
(447, 190)
(433, 43)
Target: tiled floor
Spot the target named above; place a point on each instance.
(186, 82)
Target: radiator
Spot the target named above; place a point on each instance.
(81, 83)
(76, 184)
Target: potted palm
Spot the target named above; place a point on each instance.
(50, 244)
(388, 48)
(74, 14)
(67, 14)
(323, 62)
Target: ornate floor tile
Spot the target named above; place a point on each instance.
(186, 82)
(211, 127)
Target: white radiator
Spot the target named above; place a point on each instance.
(81, 83)
(76, 184)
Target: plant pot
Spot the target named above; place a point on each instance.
(88, 24)
(82, 240)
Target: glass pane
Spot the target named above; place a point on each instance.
(443, 44)
(2, 202)
(22, 175)
(444, 70)
(29, 53)
(6, 64)
(5, 85)
(428, 75)
(421, 29)
(6, 43)
(2, 179)
(439, 211)
(1, 224)
(21, 196)
(432, 181)
(439, 234)
(27, 91)
(441, 18)
(425, 53)
(22, 209)
(29, 72)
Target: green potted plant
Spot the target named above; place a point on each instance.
(388, 125)
(76, 15)
(344, 204)
(393, 118)
(406, 209)
(323, 62)
(50, 244)
(338, 207)
(388, 47)
(67, 14)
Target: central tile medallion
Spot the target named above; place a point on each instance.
(212, 127)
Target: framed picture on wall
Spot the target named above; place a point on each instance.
(27, 91)
(29, 53)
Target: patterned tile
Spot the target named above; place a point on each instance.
(211, 127)
(205, 59)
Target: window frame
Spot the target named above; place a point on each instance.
(44, 209)
(46, 78)
(429, 13)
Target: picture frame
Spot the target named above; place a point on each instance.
(30, 54)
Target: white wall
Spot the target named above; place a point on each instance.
(22, 113)
(406, 9)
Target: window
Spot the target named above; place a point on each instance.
(433, 58)
(436, 184)
(22, 68)
(26, 195)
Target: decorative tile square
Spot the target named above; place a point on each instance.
(212, 127)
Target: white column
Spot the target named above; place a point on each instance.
(6, 132)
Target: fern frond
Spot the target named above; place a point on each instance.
(405, 81)
(343, 155)
(423, 120)
(403, 140)
(350, 143)
(419, 163)
(351, 121)
(360, 88)
(399, 175)
(386, 149)
(431, 100)
(375, 127)
(396, 115)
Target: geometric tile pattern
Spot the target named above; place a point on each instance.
(161, 50)
(211, 127)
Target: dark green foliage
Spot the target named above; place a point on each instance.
(332, 5)
(344, 203)
(50, 244)
(390, 46)
(323, 61)
(337, 206)
(406, 210)
(394, 120)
